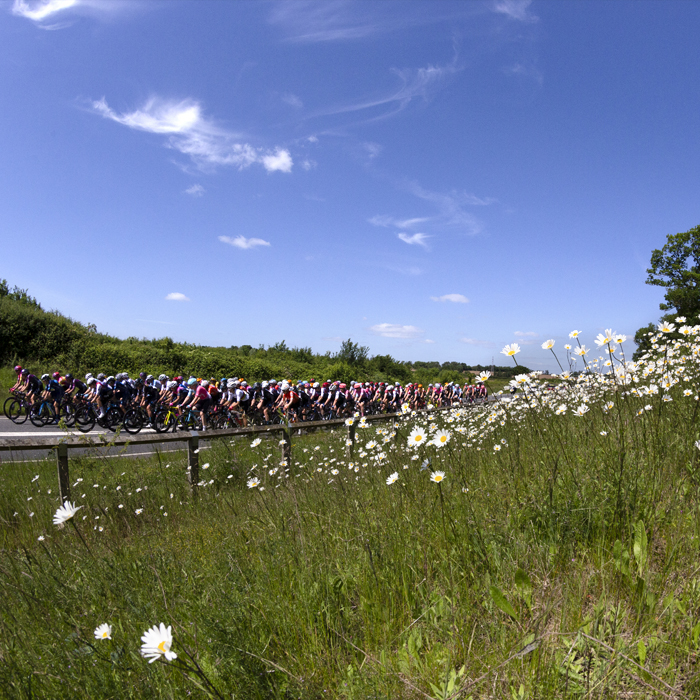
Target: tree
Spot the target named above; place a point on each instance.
(676, 267)
(352, 353)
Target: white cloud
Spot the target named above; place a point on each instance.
(515, 9)
(244, 243)
(525, 71)
(196, 136)
(292, 100)
(456, 298)
(195, 190)
(176, 296)
(279, 160)
(393, 330)
(430, 342)
(526, 334)
(39, 11)
(314, 139)
(386, 221)
(308, 164)
(478, 343)
(420, 83)
(415, 239)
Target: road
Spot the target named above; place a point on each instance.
(9, 430)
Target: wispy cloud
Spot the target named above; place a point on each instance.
(393, 330)
(192, 134)
(430, 342)
(515, 9)
(176, 296)
(309, 21)
(526, 337)
(415, 239)
(478, 343)
(292, 100)
(525, 71)
(455, 298)
(39, 11)
(244, 243)
(384, 220)
(195, 190)
(413, 83)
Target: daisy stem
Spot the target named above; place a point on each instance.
(82, 539)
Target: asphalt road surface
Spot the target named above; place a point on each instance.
(9, 430)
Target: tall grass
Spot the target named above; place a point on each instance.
(558, 557)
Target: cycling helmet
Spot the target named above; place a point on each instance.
(100, 377)
(18, 369)
(88, 375)
(265, 385)
(91, 381)
(25, 372)
(56, 375)
(110, 379)
(162, 377)
(138, 381)
(316, 385)
(205, 383)
(191, 381)
(273, 382)
(257, 385)
(149, 378)
(45, 377)
(397, 384)
(69, 376)
(171, 385)
(342, 386)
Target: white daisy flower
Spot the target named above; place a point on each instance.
(104, 631)
(157, 642)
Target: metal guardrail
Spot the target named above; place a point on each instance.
(192, 438)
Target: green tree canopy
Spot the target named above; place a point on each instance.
(676, 267)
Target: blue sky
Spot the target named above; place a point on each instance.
(431, 179)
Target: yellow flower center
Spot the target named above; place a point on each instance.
(438, 478)
(104, 635)
(443, 438)
(419, 438)
(161, 647)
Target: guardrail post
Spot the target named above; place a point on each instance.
(351, 440)
(193, 460)
(63, 477)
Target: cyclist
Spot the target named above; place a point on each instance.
(202, 402)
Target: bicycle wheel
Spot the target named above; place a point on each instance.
(68, 414)
(113, 418)
(7, 404)
(39, 415)
(85, 419)
(16, 411)
(133, 421)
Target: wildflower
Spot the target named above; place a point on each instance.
(334, 472)
(574, 334)
(363, 422)
(548, 344)
(581, 410)
(510, 350)
(65, 513)
(437, 477)
(416, 437)
(253, 482)
(35, 478)
(370, 445)
(138, 511)
(349, 421)
(41, 538)
(104, 631)
(483, 377)
(392, 478)
(157, 642)
(496, 448)
(255, 442)
(205, 466)
(666, 327)
(441, 438)
(619, 338)
(581, 351)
